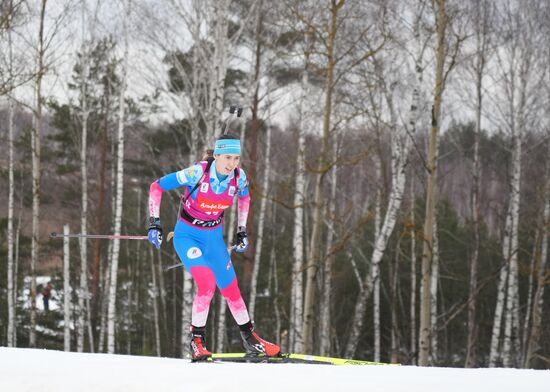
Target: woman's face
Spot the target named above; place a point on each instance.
(226, 163)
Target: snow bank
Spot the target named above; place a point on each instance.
(45, 370)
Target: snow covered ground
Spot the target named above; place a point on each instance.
(56, 371)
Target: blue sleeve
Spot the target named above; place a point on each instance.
(188, 177)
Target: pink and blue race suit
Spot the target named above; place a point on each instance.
(198, 236)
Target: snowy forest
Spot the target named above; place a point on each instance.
(398, 153)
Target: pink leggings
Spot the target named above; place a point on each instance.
(206, 287)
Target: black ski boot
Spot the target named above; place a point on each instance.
(255, 345)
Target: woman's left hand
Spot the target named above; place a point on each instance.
(241, 241)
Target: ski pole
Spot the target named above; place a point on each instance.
(99, 236)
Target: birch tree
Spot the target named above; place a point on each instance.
(35, 148)
(516, 64)
(412, 305)
(427, 252)
(111, 318)
(186, 306)
(376, 266)
(154, 298)
(421, 43)
(14, 72)
(331, 56)
(296, 297)
(434, 347)
(261, 221)
(400, 146)
(198, 73)
(67, 292)
(314, 257)
(222, 309)
(533, 342)
(11, 294)
(84, 317)
(481, 19)
(326, 303)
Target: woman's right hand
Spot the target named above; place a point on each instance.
(155, 232)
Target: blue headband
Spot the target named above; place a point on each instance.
(227, 146)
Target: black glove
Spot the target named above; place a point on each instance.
(155, 232)
(241, 240)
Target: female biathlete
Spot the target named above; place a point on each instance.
(210, 188)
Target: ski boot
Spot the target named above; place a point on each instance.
(254, 345)
(198, 344)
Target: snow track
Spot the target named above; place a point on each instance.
(56, 371)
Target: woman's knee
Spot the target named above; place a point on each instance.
(205, 281)
(231, 292)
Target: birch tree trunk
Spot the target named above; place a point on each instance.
(482, 41)
(275, 294)
(533, 265)
(413, 120)
(317, 223)
(35, 149)
(83, 295)
(326, 303)
(105, 303)
(111, 318)
(187, 305)
(413, 346)
(494, 354)
(261, 221)
(424, 338)
(155, 301)
(218, 71)
(518, 61)
(394, 305)
(296, 298)
(433, 294)
(100, 207)
(222, 310)
(533, 343)
(252, 96)
(511, 317)
(11, 185)
(376, 266)
(67, 292)
(511, 340)
(400, 146)
(12, 293)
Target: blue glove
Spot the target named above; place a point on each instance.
(241, 241)
(155, 232)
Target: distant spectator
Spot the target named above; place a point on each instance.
(46, 294)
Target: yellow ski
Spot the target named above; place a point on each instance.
(291, 358)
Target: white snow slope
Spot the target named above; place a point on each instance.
(45, 370)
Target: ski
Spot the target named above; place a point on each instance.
(289, 358)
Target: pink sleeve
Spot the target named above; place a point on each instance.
(243, 205)
(155, 196)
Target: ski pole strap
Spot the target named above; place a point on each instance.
(206, 170)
